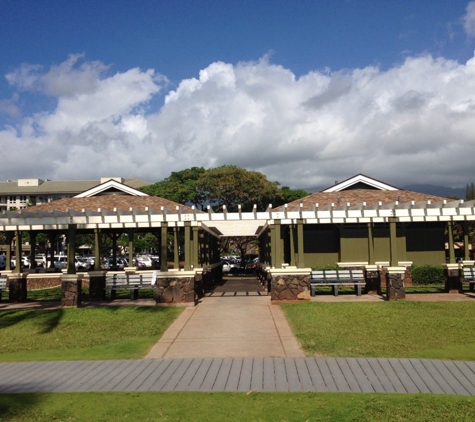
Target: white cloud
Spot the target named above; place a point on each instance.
(411, 123)
(469, 19)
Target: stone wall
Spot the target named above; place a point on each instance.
(175, 290)
(287, 287)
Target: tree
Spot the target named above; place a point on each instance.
(232, 186)
(289, 195)
(180, 187)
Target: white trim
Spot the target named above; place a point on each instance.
(108, 185)
(360, 178)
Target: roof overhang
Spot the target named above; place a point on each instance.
(240, 223)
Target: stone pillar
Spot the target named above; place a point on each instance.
(71, 286)
(373, 280)
(395, 289)
(17, 287)
(453, 282)
(97, 285)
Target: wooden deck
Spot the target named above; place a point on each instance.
(358, 375)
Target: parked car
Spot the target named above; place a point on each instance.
(60, 262)
(226, 266)
(251, 266)
(82, 264)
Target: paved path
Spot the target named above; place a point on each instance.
(236, 320)
(242, 375)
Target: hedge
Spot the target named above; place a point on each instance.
(427, 274)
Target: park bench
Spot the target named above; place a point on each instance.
(336, 278)
(469, 275)
(3, 285)
(123, 281)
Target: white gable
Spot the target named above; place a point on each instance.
(360, 179)
(111, 184)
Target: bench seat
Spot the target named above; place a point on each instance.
(337, 278)
(469, 275)
(122, 281)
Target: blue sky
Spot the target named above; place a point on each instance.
(306, 92)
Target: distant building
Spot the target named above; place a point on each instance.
(26, 192)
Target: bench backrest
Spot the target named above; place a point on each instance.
(332, 275)
(469, 273)
(3, 282)
(127, 279)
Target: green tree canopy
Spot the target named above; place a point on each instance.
(289, 195)
(180, 187)
(231, 185)
(226, 185)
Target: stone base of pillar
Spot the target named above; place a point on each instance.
(453, 282)
(97, 285)
(395, 289)
(290, 287)
(17, 288)
(71, 286)
(176, 290)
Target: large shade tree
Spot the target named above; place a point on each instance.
(181, 187)
(232, 186)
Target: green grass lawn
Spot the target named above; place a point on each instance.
(399, 329)
(234, 407)
(83, 333)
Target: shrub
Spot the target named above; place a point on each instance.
(326, 267)
(427, 274)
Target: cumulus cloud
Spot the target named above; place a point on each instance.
(469, 19)
(411, 123)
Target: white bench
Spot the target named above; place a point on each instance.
(123, 281)
(3, 285)
(469, 275)
(336, 278)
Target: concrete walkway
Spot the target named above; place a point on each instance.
(236, 320)
(360, 375)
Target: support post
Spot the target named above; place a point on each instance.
(393, 260)
(176, 249)
(163, 247)
(71, 249)
(300, 243)
(32, 249)
(9, 236)
(450, 232)
(97, 250)
(18, 242)
(188, 247)
(195, 247)
(371, 258)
